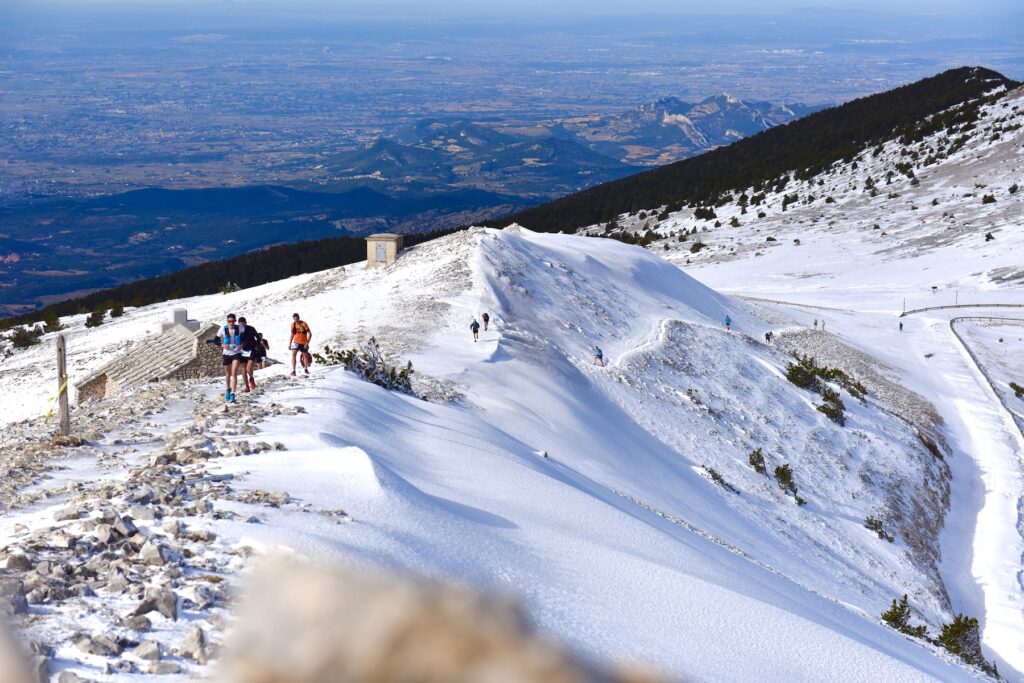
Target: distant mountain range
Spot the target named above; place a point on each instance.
(670, 129)
(556, 157)
(431, 175)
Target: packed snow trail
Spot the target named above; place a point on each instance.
(987, 433)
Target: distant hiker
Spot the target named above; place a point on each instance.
(486, 318)
(822, 324)
(768, 337)
(728, 323)
(300, 335)
(901, 326)
(815, 323)
(598, 356)
(475, 326)
(231, 347)
(251, 348)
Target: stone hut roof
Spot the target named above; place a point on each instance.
(160, 357)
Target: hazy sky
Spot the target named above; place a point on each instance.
(549, 7)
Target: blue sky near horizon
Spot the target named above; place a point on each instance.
(550, 7)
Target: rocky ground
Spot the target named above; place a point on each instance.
(121, 572)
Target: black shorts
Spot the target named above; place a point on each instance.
(228, 360)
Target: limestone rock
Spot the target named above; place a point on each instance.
(18, 562)
(165, 668)
(67, 514)
(194, 646)
(162, 600)
(148, 650)
(153, 554)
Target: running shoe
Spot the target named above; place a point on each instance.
(305, 370)
(246, 388)
(227, 394)
(232, 399)
(253, 382)
(293, 373)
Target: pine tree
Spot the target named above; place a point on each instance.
(756, 460)
(95, 318)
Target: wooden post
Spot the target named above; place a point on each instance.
(62, 386)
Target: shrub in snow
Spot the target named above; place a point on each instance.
(23, 337)
(1018, 390)
(878, 526)
(1013, 188)
(696, 246)
(95, 318)
(962, 637)
(51, 321)
(806, 372)
(229, 287)
(898, 617)
(369, 363)
(770, 239)
(989, 237)
(734, 222)
(832, 406)
(117, 311)
(803, 373)
(756, 459)
(704, 213)
(784, 475)
(715, 476)
(988, 199)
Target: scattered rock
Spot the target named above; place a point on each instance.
(194, 646)
(162, 600)
(18, 563)
(143, 512)
(153, 554)
(124, 526)
(165, 668)
(103, 646)
(148, 650)
(67, 514)
(137, 623)
(71, 677)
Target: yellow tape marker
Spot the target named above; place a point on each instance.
(53, 399)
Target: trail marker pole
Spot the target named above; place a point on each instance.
(62, 386)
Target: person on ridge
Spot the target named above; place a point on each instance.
(901, 326)
(815, 323)
(251, 347)
(231, 347)
(300, 335)
(475, 326)
(598, 356)
(486, 318)
(728, 323)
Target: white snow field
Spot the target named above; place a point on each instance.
(619, 542)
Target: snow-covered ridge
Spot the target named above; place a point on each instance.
(621, 542)
(891, 205)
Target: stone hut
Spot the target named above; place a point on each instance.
(382, 249)
(179, 351)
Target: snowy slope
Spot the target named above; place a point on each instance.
(619, 542)
(936, 224)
